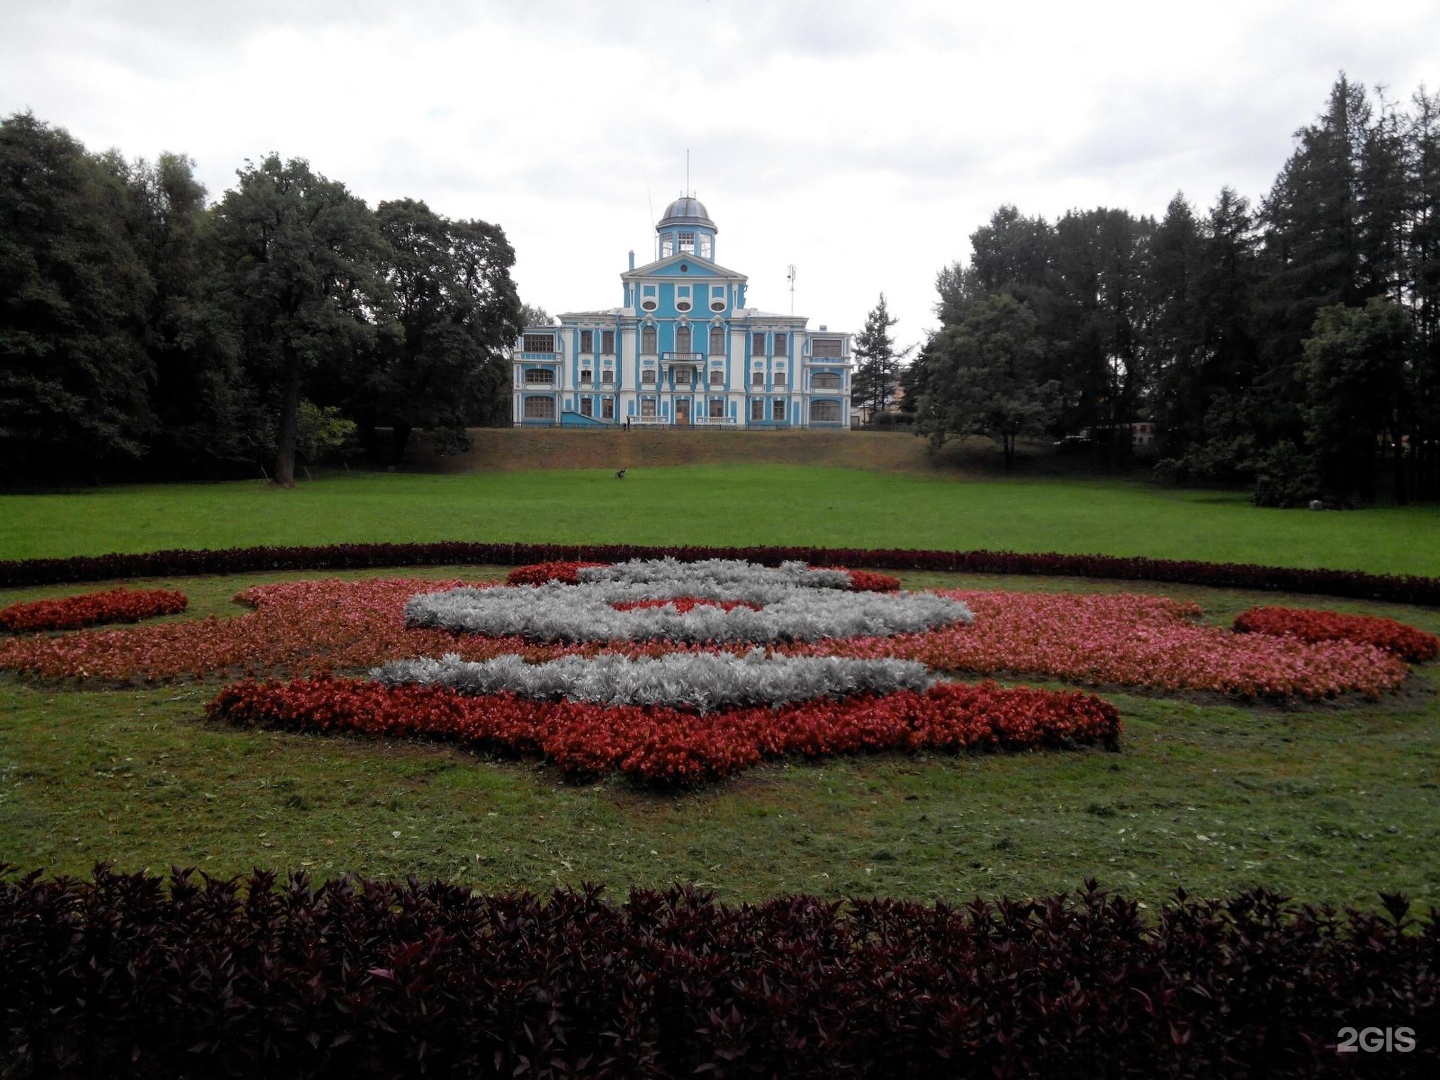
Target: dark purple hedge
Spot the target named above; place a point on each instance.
(135, 976)
(1355, 584)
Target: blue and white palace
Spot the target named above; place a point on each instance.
(682, 350)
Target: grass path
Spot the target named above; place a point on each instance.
(724, 504)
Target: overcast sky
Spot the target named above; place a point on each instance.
(860, 141)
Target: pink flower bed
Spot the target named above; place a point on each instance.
(1131, 640)
(1406, 642)
(91, 609)
(1122, 639)
(669, 745)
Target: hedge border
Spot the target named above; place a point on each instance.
(1349, 584)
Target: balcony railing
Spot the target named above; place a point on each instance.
(716, 421)
(682, 357)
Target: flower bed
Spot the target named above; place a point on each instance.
(699, 682)
(592, 611)
(669, 745)
(1131, 640)
(92, 609)
(1406, 642)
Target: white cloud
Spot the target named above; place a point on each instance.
(861, 141)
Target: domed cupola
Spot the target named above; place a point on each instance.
(686, 227)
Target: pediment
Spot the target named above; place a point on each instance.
(669, 267)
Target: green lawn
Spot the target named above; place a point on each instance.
(1331, 802)
(733, 504)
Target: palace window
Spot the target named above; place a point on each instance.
(587, 406)
(682, 376)
(782, 344)
(647, 341)
(607, 342)
(825, 380)
(778, 379)
(586, 375)
(682, 339)
(717, 377)
(607, 408)
(757, 377)
(825, 412)
(757, 408)
(707, 247)
(539, 408)
(682, 297)
(647, 377)
(777, 409)
(717, 408)
(539, 376)
(826, 347)
(587, 341)
(539, 343)
(647, 406)
(607, 377)
(717, 341)
(687, 241)
(757, 344)
(648, 299)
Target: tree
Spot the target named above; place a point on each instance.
(878, 370)
(451, 312)
(299, 256)
(205, 408)
(530, 315)
(1353, 372)
(982, 377)
(73, 298)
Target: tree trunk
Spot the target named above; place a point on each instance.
(399, 440)
(289, 431)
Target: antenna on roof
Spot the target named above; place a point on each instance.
(790, 277)
(648, 199)
(687, 170)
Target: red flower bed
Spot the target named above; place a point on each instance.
(683, 604)
(1406, 642)
(540, 573)
(870, 581)
(668, 745)
(91, 609)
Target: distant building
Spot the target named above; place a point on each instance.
(682, 350)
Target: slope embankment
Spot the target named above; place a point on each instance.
(559, 448)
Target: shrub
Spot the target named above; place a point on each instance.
(132, 975)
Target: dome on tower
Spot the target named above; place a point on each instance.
(687, 210)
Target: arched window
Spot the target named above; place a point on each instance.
(682, 339)
(647, 340)
(717, 341)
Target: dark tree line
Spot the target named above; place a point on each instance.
(1293, 346)
(143, 331)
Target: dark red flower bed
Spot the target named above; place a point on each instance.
(683, 604)
(1408, 643)
(92, 609)
(540, 573)
(1404, 589)
(131, 975)
(666, 745)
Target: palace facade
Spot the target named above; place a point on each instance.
(682, 350)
